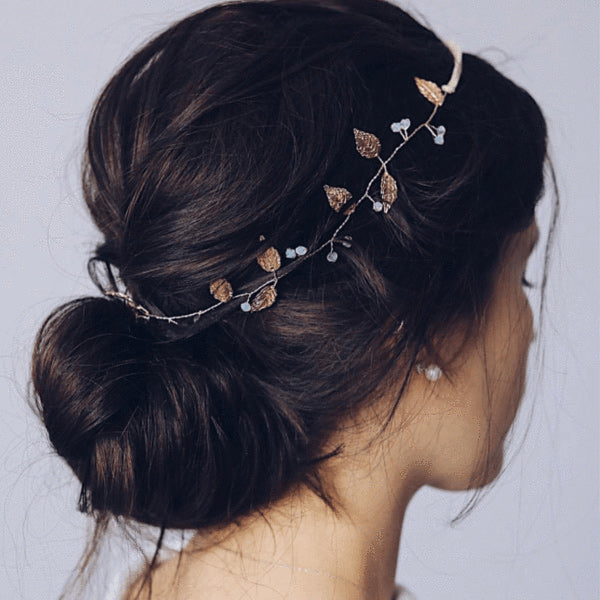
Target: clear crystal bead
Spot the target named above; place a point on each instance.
(290, 253)
(246, 307)
(377, 206)
(332, 256)
(300, 250)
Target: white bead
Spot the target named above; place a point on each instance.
(246, 307)
(441, 130)
(399, 126)
(377, 206)
(439, 140)
(290, 253)
(332, 256)
(433, 373)
(300, 250)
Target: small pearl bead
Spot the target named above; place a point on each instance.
(439, 140)
(246, 307)
(332, 256)
(433, 373)
(377, 206)
(290, 253)
(300, 250)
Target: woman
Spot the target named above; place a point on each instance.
(316, 220)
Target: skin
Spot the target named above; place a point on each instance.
(439, 436)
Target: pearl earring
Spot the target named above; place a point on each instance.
(432, 372)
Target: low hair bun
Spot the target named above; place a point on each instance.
(154, 430)
(87, 356)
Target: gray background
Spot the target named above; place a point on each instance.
(535, 535)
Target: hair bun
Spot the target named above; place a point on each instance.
(87, 359)
(149, 428)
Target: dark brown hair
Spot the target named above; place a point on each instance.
(224, 128)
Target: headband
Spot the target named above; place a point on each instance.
(368, 146)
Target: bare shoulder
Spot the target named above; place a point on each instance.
(190, 578)
(176, 578)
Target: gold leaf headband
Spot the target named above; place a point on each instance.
(368, 146)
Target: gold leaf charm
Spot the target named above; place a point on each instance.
(367, 144)
(337, 196)
(430, 90)
(269, 260)
(221, 290)
(264, 298)
(389, 190)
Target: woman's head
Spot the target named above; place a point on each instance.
(220, 130)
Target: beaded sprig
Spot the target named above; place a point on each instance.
(368, 146)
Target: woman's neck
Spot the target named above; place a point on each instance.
(301, 544)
